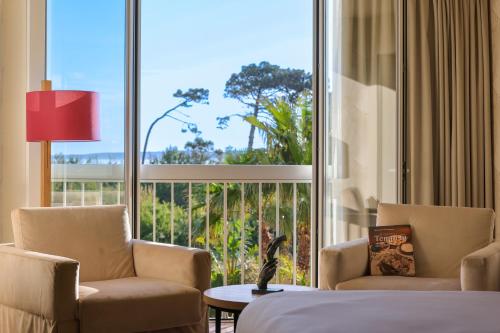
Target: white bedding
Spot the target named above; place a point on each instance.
(373, 311)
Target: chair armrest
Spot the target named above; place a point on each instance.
(480, 270)
(38, 283)
(342, 262)
(187, 266)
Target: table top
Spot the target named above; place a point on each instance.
(236, 297)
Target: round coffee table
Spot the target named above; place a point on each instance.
(233, 299)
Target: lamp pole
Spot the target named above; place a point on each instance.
(46, 161)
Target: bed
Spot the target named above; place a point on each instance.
(373, 311)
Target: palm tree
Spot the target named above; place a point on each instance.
(287, 131)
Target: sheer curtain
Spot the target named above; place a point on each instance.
(449, 103)
(360, 115)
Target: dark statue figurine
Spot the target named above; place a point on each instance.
(269, 267)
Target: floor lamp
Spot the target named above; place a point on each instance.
(59, 115)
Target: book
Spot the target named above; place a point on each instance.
(391, 250)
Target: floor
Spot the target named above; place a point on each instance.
(227, 326)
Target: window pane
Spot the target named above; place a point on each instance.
(228, 82)
(212, 76)
(85, 51)
(361, 118)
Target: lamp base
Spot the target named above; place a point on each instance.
(46, 175)
(257, 291)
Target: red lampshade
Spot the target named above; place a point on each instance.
(62, 115)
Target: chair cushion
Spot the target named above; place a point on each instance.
(136, 305)
(398, 283)
(442, 236)
(97, 237)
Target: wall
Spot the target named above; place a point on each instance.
(13, 76)
(495, 52)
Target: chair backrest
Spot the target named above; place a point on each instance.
(442, 236)
(98, 237)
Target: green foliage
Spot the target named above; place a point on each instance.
(288, 130)
(251, 157)
(256, 84)
(59, 158)
(193, 95)
(188, 98)
(198, 151)
(163, 217)
(265, 81)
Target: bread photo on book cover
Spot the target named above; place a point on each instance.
(391, 250)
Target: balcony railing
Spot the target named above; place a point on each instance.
(231, 210)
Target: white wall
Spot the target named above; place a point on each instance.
(13, 76)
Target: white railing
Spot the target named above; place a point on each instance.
(81, 184)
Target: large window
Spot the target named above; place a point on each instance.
(86, 51)
(226, 132)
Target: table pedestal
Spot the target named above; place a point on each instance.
(218, 318)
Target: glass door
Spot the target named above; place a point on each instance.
(85, 50)
(360, 115)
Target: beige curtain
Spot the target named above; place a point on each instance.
(495, 73)
(449, 103)
(369, 41)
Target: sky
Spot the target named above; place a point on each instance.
(184, 44)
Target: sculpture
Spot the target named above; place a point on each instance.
(269, 267)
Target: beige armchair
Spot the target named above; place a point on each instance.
(78, 270)
(454, 250)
